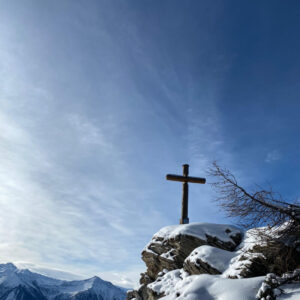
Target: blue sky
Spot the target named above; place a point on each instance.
(100, 99)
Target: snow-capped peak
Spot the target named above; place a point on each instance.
(42, 287)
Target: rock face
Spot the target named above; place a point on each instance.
(263, 259)
(170, 246)
(255, 257)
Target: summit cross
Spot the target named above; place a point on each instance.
(185, 190)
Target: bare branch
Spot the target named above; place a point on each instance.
(260, 207)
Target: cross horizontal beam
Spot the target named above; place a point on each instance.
(185, 178)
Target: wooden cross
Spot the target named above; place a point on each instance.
(185, 190)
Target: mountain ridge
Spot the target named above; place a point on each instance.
(22, 284)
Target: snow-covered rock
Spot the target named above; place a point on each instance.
(255, 257)
(20, 284)
(246, 261)
(171, 245)
(208, 260)
(274, 287)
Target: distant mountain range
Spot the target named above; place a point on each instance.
(19, 284)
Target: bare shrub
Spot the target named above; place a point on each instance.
(259, 207)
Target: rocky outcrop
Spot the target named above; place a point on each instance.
(146, 292)
(176, 252)
(169, 248)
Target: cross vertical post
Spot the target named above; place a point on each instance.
(185, 197)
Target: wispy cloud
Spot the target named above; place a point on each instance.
(55, 214)
(272, 156)
(92, 116)
(51, 272)
(69, 198)
(89, 133)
